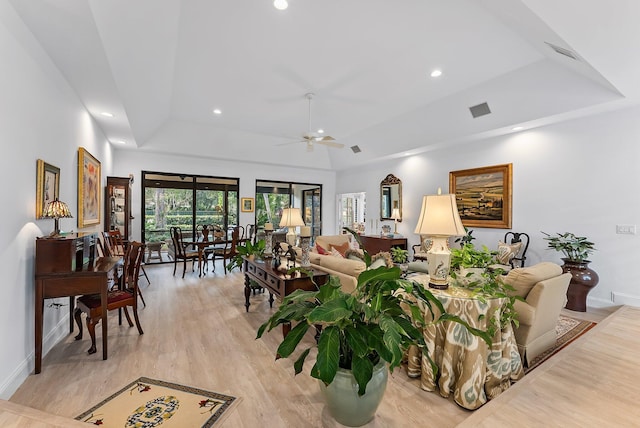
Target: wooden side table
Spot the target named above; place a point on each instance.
(376, 244)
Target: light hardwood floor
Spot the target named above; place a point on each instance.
(197, 333)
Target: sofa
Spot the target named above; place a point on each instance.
(544, 289)
(346, 269)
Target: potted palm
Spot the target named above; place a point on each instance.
(576, 251)
(363, 335)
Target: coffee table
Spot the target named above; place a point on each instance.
(277, 282)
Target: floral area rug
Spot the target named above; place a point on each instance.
(567, 330)
(152, 403)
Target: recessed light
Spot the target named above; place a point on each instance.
(320, 131)
(118, 142)
(280, 4)
(107, 114)
(217, 111)
(436, 73)
(517, 128)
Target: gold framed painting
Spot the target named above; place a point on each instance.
(47, 185)
(89, 184)
(483, 195)
(246, 205)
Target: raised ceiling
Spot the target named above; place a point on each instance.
(162, 66)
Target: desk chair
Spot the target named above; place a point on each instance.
(120, 298)
(115, 246)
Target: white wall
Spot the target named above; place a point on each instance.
(134, 162)
(578, 176)
(41, 119)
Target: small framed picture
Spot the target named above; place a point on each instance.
(47, 185)
(246, 205)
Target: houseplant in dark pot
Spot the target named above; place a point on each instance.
(363, 334)
(576, 250)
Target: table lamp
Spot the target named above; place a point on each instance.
(395, 215)
(291, 218)
(439, 218)
(56, 210)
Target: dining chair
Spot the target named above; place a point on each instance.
(229, 250)
(181, 250)
(117, 247)
(117, 298)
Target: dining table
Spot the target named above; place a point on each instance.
(201, 244)
(466, 366)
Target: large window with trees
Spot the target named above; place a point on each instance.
(186, 201)
(273, 196)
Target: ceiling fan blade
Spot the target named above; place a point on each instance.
(289, 142)
(326, 138)
(309, 146)
(331, 144)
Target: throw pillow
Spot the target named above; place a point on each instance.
(321, 250)
(507, 251)
(354, 255)
(336, 253)
(342, 248)
(383, 258)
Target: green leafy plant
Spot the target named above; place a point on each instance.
(467, 238)
(399, 255)
(380, 319)
(469, 257)
(247, 249)
(574, 248)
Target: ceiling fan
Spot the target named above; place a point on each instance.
(311, 139)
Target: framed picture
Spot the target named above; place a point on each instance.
(47, 185)
(246, 205)
(89, 185)
(483, 195)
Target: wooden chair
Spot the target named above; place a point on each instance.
(122, 297)
(229, 250)
(181, 251)
(115, 246)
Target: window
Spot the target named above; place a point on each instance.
(186, 201)
(273, 196)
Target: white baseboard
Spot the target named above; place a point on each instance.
(625, 299)
(10, 385)
(596, 302)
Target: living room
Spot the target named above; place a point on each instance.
(559, 171)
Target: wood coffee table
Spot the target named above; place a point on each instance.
(277, 282)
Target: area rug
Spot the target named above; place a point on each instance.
(151, 403)
(567, 330)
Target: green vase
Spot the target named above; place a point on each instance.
(343, 401)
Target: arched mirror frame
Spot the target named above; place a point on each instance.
(390, 195)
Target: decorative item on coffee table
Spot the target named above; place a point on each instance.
(576, 250)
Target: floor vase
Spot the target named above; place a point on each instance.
(343, 401)
(583, 279)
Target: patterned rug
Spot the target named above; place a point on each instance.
(567, 330)
(150, 403)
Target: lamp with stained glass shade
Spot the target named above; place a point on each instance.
(56, 210)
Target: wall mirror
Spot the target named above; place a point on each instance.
(391, 198)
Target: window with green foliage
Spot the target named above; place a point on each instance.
(186, 201)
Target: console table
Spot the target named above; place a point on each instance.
(279, 283)
(376, 244)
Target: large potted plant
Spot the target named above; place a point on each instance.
(576, 251)
(363, 335)
(247, 249)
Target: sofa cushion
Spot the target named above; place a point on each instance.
(321, 250)
(342, 248)
(523, 279)
(335, 253)
(507, 251)
(325, 241)
(346, 266)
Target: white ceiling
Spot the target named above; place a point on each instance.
(162, 66)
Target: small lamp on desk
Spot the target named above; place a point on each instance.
(56, 210)
(291, 218)
(395, 215)
(439, 218)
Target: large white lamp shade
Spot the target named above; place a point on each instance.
(291, 218)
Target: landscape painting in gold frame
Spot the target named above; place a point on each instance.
(246, 205)
(47, 185)
(483, 195)
(89, 185)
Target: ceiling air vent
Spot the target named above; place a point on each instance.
(479, 110)
(563, 51)
(355, 149)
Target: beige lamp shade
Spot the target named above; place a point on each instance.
(291, 218)
(439, 216)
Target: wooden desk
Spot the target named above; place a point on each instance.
(376, 244)
(66, 266)
(278, 283)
